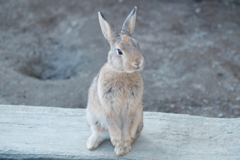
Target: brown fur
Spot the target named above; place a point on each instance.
(115, 105)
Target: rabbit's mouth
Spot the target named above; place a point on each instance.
(138, 68)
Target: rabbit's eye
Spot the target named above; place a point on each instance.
(119, 52)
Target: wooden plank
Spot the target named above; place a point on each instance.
(28, 132)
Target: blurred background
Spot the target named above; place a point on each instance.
(50, 51)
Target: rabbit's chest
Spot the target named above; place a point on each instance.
(121, 94)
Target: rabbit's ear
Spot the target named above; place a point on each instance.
(129, 23)
(107, 29)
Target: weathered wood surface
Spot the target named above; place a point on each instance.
(58, 133)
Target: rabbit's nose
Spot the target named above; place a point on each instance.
(136, 63)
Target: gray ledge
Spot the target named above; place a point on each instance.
(29, 132)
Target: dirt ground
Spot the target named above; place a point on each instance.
(50, 52)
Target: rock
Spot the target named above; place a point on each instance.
(198, 10)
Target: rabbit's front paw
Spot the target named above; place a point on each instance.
(116, 142)
(121, 147)
(127, 146)
(122, 150)
(92, 142)
(119, 151)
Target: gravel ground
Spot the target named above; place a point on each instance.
(51, 50)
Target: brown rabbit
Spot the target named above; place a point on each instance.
(115, 98)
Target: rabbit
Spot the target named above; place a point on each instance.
(115, 97)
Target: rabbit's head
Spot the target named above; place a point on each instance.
(124, 54)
